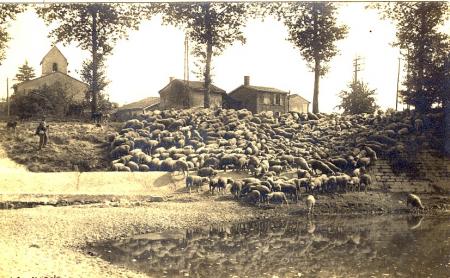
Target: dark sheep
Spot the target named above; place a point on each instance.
(263, 190)
(290, 190)
(120, 151)
(253, 196)
(277, 197)
(181, 166)
(319, 165)
(236, 188)
(206, 172)
(365, 180)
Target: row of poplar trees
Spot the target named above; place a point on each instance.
(212, 26)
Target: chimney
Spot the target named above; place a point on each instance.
(246, 80)
(171, 78)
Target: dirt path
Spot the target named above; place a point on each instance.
(7, 164)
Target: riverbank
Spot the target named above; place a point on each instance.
(49, 241)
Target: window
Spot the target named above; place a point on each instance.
(277, 99)
(266, 100)
(55, 67)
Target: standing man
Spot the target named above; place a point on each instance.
(42, 131)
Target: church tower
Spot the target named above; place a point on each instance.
(54, 61)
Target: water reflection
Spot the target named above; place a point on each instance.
(407, 246)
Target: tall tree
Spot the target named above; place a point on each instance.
(211, 27)
(358, 99)
(100, 84)
(94, 27)
(425, 49)
(25, 73)
(7, 12)
(313, 30)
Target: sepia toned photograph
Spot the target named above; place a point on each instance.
(225, 139)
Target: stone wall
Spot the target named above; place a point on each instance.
(433, 175)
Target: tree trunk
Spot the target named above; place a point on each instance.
(94, 87)
(316, 64)
(207, 83)
(316, 85)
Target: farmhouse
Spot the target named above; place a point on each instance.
(259, 99)
(182, 94)
(54, 70)
(131, 110)
(298, 104)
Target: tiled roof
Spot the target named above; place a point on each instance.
(196, 86)
(260, 89)
(141, 104)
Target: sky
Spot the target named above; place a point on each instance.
(141, 65)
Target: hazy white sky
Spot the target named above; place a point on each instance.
(140, 66)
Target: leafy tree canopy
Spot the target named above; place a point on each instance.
(25, 73)
(358, 99)
(8, 12)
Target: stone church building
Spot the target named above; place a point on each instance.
(54, 70)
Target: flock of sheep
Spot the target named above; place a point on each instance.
(285, 155)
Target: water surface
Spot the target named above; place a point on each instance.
(363, 246)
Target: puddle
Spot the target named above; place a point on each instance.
(350, 246)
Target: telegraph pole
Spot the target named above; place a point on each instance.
(7, 96)
(446, 105)
(357, 67)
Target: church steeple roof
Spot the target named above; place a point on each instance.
(51, 51)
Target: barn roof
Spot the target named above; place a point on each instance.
(260, 89)
(299, 96)
(141, 104)
(195, 85)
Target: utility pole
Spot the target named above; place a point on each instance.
(398, 80)
(357, 67)
(7, 96)
(446, 105)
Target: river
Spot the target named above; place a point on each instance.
(320, 246)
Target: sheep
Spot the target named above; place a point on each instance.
(263, 190)
(310, 203)
(182, 166)
(277, 169)
(144, 168)
(219, 183)
(133, 166)
(302, 174)
(319, 165)
(277, 197)
(291, 190)
(227, 160)
(236, 187)
(414, 201)
(206, 172)
(253, 196)
(120, 151)
(365, 180)
(195, 181)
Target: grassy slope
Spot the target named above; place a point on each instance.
(70, 144)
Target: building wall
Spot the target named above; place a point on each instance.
(246, 98)
(271, 102)
(197, 99)
(174, 96)
(54, 56)
(75, 88)
(296, 104)
(258, 102)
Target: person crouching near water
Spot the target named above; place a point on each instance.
(42, 131)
